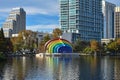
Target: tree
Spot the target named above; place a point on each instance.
(94, 46)
(118, 44)
(118, 41)
(2, 34)
(112, 46)
(26, 40)
(5, 45)
(41, 47)
(46, 38)
(79, 45)
(9, 46)
(57, 33)
(42, 43)
(88, 50)
(2, 42)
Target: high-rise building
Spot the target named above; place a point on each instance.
(108, 13)
(15, 22)
(117, 22)
(82, 16)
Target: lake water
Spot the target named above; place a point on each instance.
(61, 68)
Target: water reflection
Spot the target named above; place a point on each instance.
(117, 69)
(61, 68)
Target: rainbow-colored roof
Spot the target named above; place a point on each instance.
(58, 46)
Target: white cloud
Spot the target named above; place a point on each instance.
(35, 10)
(5, 10)
(44, 28)
(32, 11)
(32, 7)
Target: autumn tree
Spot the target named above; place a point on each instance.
(118, 41)
(57, 33)
(118, 44)
(16, 44)
(26, 40)
(94, 46)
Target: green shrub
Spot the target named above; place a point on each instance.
(2, 56)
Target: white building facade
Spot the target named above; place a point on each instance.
(15, 22)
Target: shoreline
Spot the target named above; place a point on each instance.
(59, 54)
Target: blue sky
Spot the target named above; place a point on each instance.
(42, 15)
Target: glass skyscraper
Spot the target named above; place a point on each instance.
(108, 13)
(82, 16)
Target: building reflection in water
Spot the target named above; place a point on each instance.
(117, 69)
(61, 68)
(107, 68)
(15, 69)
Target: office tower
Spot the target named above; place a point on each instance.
(117, 22)
(108, 13)
(82, 16)
(16, 22)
